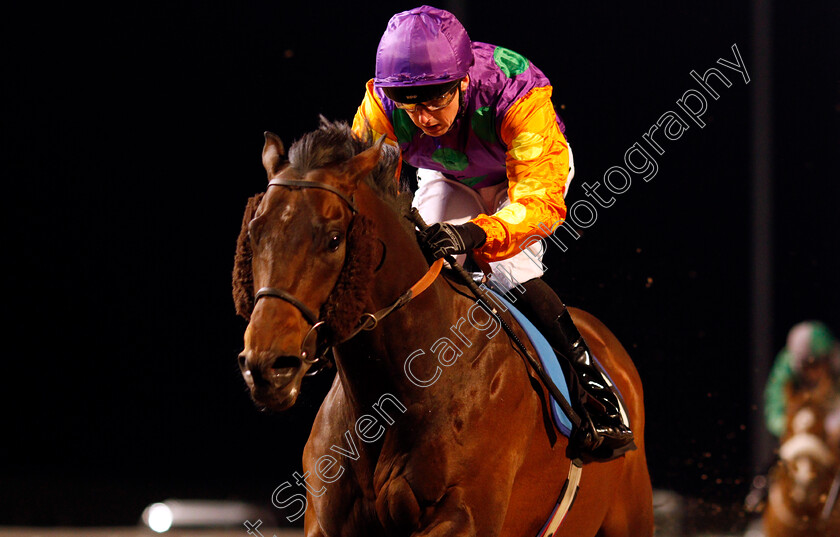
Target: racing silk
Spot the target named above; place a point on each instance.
(775, 400)
(506, 130)
(806, 339)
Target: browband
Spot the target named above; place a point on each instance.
(314, 184)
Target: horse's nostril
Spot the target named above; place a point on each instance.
(243, 364)
(283, 362)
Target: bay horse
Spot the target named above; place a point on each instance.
(804, 484)
(434, 426)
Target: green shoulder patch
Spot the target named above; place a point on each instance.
(483, 124)
(451, 159)
(511, 63)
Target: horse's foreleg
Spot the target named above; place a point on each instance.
(631, 514)
(311, 528)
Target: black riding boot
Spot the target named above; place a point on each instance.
(608, 436)
(603, 435)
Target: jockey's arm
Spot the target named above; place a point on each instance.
(537, 165)
(371, 118)
(775, 401)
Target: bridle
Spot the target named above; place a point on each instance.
(368, 321)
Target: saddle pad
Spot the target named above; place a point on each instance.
(549, 362)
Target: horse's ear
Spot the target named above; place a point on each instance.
(272, 151)
(363, 163)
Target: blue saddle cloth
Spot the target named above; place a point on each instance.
(549, 362)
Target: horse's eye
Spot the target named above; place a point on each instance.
(335, 241)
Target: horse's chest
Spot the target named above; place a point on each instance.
(390, 464)
(382, 489)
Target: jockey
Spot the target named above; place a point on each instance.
(493, 163)
(810, 351)
(810, 347)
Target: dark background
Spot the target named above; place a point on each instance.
(131, 141)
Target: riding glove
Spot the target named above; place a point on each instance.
(451, 239)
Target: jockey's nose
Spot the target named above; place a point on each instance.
(423, 116)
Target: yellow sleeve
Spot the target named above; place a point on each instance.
(537, 163)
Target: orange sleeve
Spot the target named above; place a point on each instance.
(537, 163)
(371, 119)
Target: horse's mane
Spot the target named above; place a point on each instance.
(332, 143)
(335, 142)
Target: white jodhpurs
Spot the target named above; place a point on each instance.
(443, 200)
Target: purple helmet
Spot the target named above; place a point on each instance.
(810, 342)
(422, 46)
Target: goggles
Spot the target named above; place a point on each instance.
(432, 105)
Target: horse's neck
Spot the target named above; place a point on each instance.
(372, 363)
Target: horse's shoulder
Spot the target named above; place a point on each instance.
(592, 328)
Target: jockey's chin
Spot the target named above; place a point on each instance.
(435, 131)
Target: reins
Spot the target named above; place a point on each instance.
(371, 320)
(571, 486)
(368, 321)
(481, 296)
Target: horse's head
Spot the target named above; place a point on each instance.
(299, 243)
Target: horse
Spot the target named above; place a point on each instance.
(434, 425)
(804, 484)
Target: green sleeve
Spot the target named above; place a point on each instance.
(774, 394)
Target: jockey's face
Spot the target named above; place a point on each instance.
(812, 372)
(438, 122)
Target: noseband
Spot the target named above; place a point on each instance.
(310, 316)
(368, 321)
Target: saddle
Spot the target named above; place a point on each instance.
(549, 361)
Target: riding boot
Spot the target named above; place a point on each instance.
(603, 434)
(607, 435)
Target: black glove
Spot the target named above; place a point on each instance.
(447, 239)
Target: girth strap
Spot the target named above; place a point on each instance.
(831, 500)
(567, 498)
(283, 295)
